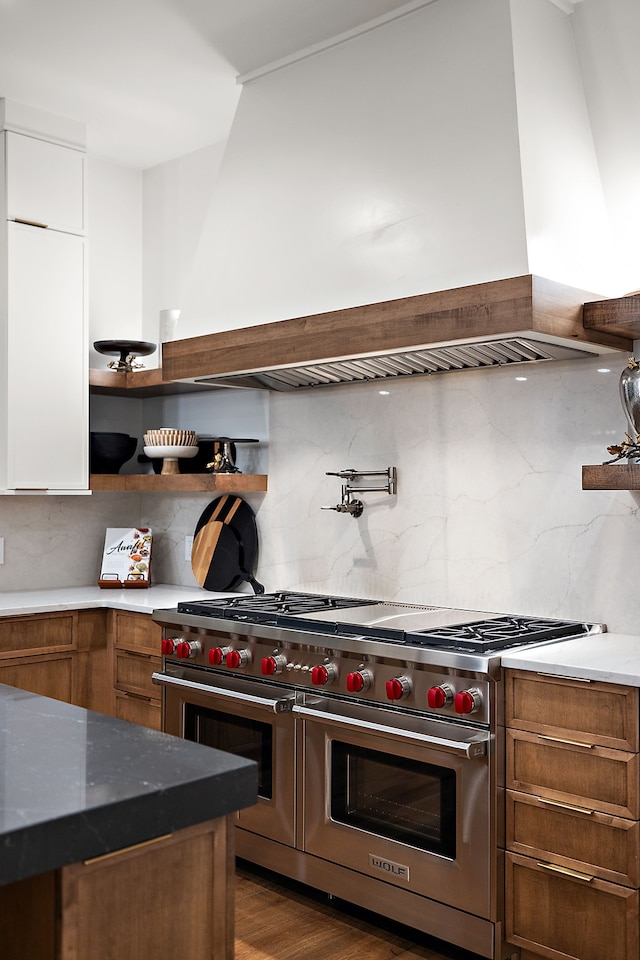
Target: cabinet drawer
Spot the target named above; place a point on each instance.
(563, 916)
(49, 676)
(597, 777)
(603, 713)
(133, 673)
(22, 635)
(141, 710)
(138, 632)
(580, 839)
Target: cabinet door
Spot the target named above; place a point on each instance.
(137, 632)
(47, 376)
(575, 837)
(45, 183)
(567, 915)
(47, 676)
(142, 710)
(602, 713)
(575, 773)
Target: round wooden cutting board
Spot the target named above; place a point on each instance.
(225, 545)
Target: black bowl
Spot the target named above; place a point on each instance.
(110, 451)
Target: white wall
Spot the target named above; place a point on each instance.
(175, 207)
(114, 202)
(607, 43)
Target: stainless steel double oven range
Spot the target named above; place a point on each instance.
(378, 733)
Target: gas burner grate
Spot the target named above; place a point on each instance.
(267, 607)
(500, 633)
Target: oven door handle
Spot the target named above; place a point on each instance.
(469, 749)
(280, 705)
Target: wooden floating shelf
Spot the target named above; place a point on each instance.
(620, 316)
(180, 482)
(140, 384)
(611, 476)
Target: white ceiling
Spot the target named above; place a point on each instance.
(154, 79)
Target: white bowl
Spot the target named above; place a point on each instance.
(171, 453)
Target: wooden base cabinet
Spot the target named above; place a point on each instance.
(572, 818)
(37, 653)
(167, 898)
(136, 655)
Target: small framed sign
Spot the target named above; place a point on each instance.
(126, 559)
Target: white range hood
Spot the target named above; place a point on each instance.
(432, 169)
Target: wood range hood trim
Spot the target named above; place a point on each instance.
(520, 319)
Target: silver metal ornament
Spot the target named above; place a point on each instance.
(630, 396)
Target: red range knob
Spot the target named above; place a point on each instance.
(217, 655)
(237, 658)
(271, 665)
(186, 649)
(440, 696)
(168, 647)
(467, 701)
(358, 681)
(268, 665)
(323, 674)
(398, 688)
(319, 676)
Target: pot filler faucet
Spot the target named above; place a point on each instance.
(355, 506)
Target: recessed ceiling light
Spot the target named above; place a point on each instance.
(521, 379)
(604, 370)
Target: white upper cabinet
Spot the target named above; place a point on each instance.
(44, 377)
(45, 183)
(47, 377)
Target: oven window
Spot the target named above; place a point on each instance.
(244, 738)
(394, 797)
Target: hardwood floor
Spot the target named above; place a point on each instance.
(278, 919)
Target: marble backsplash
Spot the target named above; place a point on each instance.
(489, 512)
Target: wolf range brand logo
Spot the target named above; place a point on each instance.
(396, 870)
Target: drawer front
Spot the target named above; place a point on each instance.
(133, 673)
(597, 777)
(28, 635)
(562, 916)
(578, 838)
(141, 710)
(137, 632)
(50, 676)
(603, 713)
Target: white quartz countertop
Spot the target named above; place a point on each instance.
(610, 657)
(155, 597)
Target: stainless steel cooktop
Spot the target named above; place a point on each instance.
(465, 630)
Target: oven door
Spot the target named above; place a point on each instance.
(401, 798)
(247, 718)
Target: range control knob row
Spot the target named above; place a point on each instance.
(440, 696)
(467, 701)
(324, 674)
(273, 665)
(398, 688)
(238, 658)
(359, 680)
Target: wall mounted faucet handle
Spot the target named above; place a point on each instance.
(354, 507)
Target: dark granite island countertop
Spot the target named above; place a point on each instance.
(76, 784)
